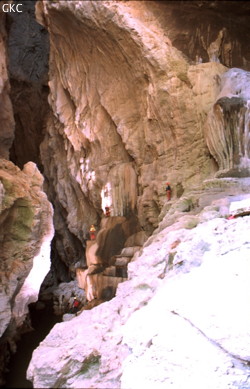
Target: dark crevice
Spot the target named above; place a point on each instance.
(30, 108)
(37, 326)
(28, 57)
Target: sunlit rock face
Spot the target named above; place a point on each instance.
(26, 230)
(126, 112)
(134, 90)
(131, 87)
(182, 317)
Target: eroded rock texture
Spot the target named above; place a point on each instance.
(28, 50)
(227, 127)
(6, 112)
(107, 257)
(140, 93)
(26, 231)
(207, 30)
(126, 112)
(182, 317)
(131, 87)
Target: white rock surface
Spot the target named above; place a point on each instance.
(181, 320)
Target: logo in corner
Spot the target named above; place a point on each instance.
(12, 7)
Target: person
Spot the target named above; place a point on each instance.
(168, 191)
(75, 305)
(92, 232)
(61, 301)
(107, 211)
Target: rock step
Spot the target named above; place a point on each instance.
(129, 251)
(115, 271)
(122, 261)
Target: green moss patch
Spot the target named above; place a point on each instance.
(21, 220)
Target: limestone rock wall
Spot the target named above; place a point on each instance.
(126, 112)
(182, 317)
(140, 93)
(129, 103)
(27, 51)
(6, 111)
(104, 272)
(26, 222)
(227, 127)
(206, 31)
(26, 231)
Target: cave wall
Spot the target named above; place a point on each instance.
(139, 93)
(121, 96)
(25, 81)
(27, 52)
(26, 216)
(6, 111)
(134, 88)
(26, 219)
(131, 86)
(206, 31)
(26, 231)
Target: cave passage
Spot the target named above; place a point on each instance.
(42, 321)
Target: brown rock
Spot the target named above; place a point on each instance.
(26, 230)
(116, 135)
(6, 111)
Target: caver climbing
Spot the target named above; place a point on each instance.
(107, 211)
(92, 232)
(75, 306)
(168, 191)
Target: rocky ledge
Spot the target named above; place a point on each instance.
(181, 318)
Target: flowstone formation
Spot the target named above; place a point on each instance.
(133, 106)
(129, 102)
(228, 128)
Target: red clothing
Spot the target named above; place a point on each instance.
(92, 235)
(92, 232)
(107, 211)
(75, 303)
